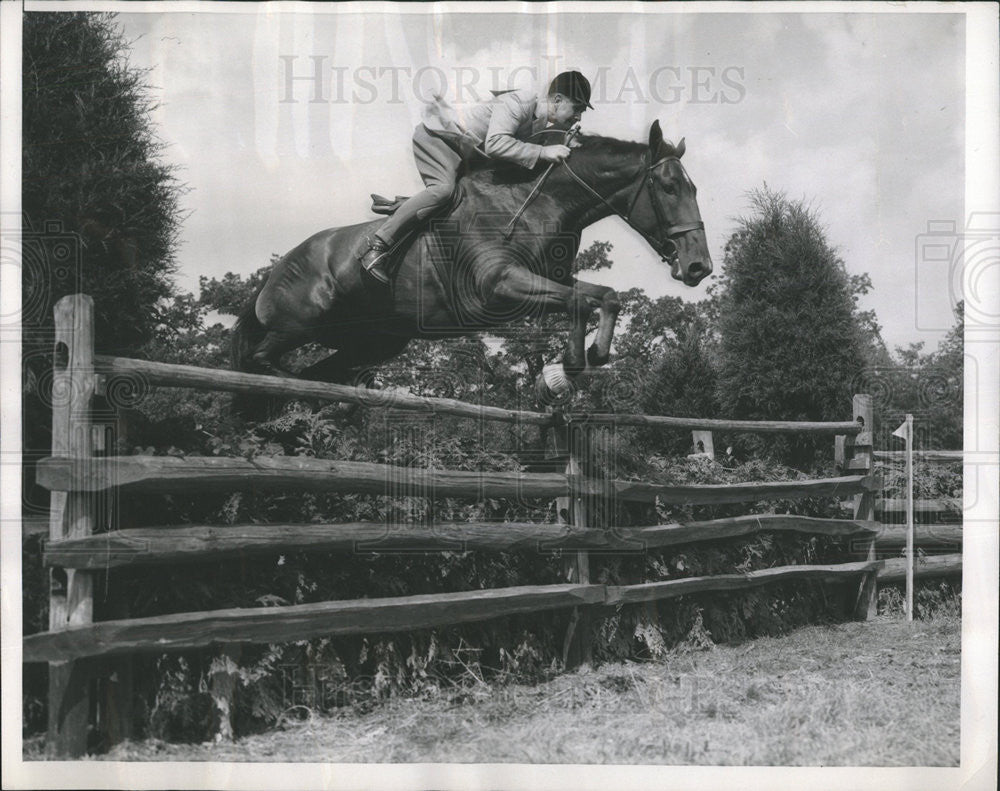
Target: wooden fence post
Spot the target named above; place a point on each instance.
(866, 603)
(576, 565)
(71, 515)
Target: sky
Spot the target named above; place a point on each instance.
(283, 123)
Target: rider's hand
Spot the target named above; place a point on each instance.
(554, 153)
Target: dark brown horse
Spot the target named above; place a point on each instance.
(462, 275)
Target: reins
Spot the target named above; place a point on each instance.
(645, 180)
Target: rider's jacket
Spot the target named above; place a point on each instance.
(498, 128)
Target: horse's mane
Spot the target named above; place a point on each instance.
(591, 150)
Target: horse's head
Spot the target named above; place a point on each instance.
(665, 210)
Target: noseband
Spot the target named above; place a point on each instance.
(646, 181)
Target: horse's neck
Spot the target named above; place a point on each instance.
(608, 174)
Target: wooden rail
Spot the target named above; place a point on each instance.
(847, 427)
(172, 375)
(198, 473)
(653, 591)
(302, 621)
(925, 536)
(894, 569)
(372, 616)
(944, 505)
(921, 455)
(198, 543)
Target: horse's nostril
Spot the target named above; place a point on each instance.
(696, 269)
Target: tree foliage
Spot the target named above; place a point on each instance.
(100, 208)
(790, 341)
(928, 385)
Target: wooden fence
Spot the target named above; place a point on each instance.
(79, 650)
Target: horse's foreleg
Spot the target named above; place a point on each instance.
(600, 350)
(580, 308)
(517, 286)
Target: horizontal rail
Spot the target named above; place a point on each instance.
(197, 473)
(944, 505)
(172, 375)
(654, 591)
(714, 424)
(160, 545)
(924, 536)
(185, 631)
(301, 621)
(921, 455)
(715, 494)
(894, 569)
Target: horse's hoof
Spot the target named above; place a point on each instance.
(553, 387)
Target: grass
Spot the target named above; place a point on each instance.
(881, 693)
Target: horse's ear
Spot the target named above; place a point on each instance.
(655, 136)
(670, 150)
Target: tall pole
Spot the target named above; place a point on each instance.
(909, 517)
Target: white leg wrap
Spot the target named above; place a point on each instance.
(554, 376)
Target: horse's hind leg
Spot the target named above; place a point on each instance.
(275, 343)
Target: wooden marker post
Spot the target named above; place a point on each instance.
(905, 432)
(703, 444)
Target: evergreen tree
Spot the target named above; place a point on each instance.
(791, 339)
(100, 213)
(100, 209)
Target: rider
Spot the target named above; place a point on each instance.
(501, 126)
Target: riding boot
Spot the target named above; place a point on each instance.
(376, 260)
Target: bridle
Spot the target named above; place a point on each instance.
(645, 181)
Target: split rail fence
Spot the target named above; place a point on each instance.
(79, 650)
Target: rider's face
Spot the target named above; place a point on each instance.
(563, 110)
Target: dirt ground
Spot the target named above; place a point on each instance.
(881, 693)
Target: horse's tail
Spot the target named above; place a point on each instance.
(247, 334)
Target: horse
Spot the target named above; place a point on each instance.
(468, 270)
